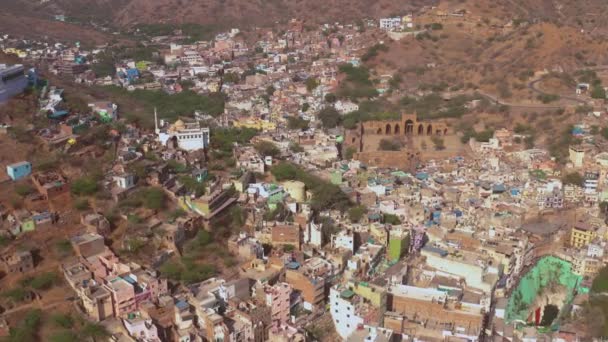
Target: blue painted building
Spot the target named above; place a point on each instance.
(19, 170)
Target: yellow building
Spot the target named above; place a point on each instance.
(375, 294)
(18, 52)
(582, 234)
(262, 125)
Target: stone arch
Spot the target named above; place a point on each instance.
(379, 131)
(387, 130)
(397, 129)
(445, 131)
(421, 129)
(409, 127)
(172, 142)
(429, 130)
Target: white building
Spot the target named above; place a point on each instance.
(345, 107)
(343, 304)
(390, 23)
(186, 136)
(314, 234)
(343, 239)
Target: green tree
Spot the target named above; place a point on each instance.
(391, 219)
(604, 132)
(267, 148)
(598, 92)
(550, 313)
(64, 336)
(311, 84)
(270, 90)
(296, 122)
(350, 152)
(355, 214)
(23, 189)
(84, 186)
(94, 331)
(330, 118)
(573, 178)
(330, 98)
(154, 198)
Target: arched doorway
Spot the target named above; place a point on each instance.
(445, 131)
(172, 142)
(420, 129)
(409, 127)
(379, 131)
(429, 130)
(397, 129)
(388, 129)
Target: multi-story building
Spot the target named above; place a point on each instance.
(436, 313)
(398, 243)
(278, 298)
(349, 312)
(186, 136)
(310, 286)
(123, 296)
(582, 234)
(390, 23)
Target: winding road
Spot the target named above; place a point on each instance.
(532, 85)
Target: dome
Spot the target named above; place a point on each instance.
(178, 125)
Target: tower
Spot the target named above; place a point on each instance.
(156, 130)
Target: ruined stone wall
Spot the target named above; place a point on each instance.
(404, 160)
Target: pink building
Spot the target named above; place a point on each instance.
(277, 298)
(123, 296)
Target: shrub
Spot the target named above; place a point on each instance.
(390, 145)
(329, 116)
(267, 148)
(355, 214)
(23, 189)
(81, 204)
(84, 186)
(42, 281)
(296, 122)
(63, 320)
(573, 178)
(154, 198)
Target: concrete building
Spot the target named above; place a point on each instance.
(50, 184)
(19, 170)
(346, 310)
(408, 306)
(123, 296)
(582, 234)
(398, 243)
(88, 244)
(17, 262)
(12, 81)
(278, 298)
(283, 235)
(186, 136)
